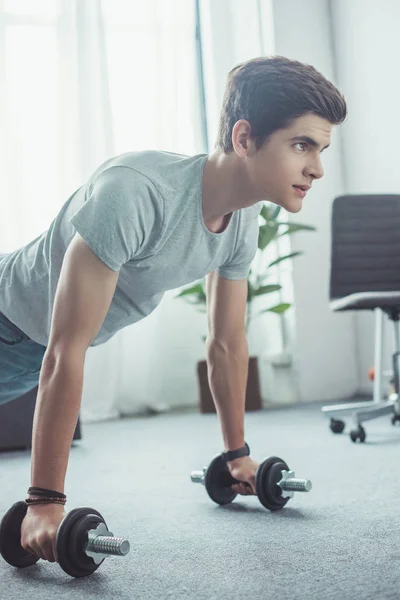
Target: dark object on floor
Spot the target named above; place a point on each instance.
(16, 419)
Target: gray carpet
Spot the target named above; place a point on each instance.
(340, 541)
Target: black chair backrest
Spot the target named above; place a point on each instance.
(365, 250)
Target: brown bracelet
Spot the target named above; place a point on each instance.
(38, 491)
(40, 500)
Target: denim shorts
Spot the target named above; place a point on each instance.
(20, 361)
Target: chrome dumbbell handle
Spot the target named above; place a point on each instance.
(102, 543)
(198, 476)
(290, 484)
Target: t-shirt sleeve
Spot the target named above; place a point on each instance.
(121, 217)
(238, 266)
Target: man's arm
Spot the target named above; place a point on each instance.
(84, 293)
(227, 354)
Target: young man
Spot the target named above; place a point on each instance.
(150, 221)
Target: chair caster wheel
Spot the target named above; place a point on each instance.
(337, 426)
(358, 434)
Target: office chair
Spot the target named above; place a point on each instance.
(365, 275)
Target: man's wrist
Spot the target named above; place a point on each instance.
(230, 455)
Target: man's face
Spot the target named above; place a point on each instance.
(290, 157)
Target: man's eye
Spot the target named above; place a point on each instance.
(303, 144)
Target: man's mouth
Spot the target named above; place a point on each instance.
(301, 190)
(305, 188)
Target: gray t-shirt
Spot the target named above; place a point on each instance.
(141, 214)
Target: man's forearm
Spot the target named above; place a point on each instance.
(56, 414)
(228, 367)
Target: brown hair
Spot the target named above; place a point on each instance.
(270, 92)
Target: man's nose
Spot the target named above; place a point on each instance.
(315, 169)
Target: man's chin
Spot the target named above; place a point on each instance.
(295, 209)
(292, 205)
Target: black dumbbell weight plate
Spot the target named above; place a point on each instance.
(218, 482)
(10, 537)
(71, 541)
(268, 475)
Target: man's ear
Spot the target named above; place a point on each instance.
(241, 137)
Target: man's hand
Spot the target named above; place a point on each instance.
(39, 530)
(244, 469)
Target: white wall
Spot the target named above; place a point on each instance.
(325, 353)
(367, 47)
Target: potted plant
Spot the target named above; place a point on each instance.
(270, 230)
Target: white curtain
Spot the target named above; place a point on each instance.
(83, 80)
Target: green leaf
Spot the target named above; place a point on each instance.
(270, 213)
(266, 289)
(195, 289)
(278, 309)
(278, 260)
(250, 290)
(294, 227)
(265, 212)
(266, 234)
(275, 212)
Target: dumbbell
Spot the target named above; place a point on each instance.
(83, 541)
(275, 482)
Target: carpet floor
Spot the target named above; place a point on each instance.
(340, 541)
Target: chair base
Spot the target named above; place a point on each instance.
(364, 411)
(361, 412)
(389, 407)
(341, 410)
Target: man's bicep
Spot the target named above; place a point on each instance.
(84, 293)
(226, 307)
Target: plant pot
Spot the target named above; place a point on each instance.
(253, 396)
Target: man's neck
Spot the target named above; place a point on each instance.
(225, 188)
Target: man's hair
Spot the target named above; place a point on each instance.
(270, 92)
